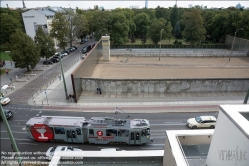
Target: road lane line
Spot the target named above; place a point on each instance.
(27, 143)
(37, 114)
(14, 132)
(19, 139)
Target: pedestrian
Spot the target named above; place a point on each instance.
(59, 76)
(16, 77)
(69, 97)
(10, 62)
(6, 71)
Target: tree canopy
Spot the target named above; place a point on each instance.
(24, 52)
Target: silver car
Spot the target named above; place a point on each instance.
(50, 152)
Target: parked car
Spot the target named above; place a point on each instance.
(63, 53)
(4, 100)
(47, 62)
(75, 47)
(70, 49)
(50, 152)
(82, 41)
(54, 60)
(111, 149)
(86, 49)
(8, 113)
(67, 51)
(202, 122)
(86, 40)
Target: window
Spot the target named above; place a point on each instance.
(132, 136)
(78, 131)
(137, 136)
(91, 133)
(59, 130)
(123, 133)
(111, 132)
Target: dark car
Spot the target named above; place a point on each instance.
(48, 62)
(82, 42)
(70, 49)
(54, 60)
(7, 113)
(86, 49)
(75, 47)
(67, 51)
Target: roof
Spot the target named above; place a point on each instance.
(119, 123)
(208, 118)
(57, 9)
(46, 12)
(57, 121)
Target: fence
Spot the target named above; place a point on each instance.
(211, 46)
(177, 53)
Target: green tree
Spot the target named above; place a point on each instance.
(174, 17)
(161, 12)
(142, 22)
(24, 52)
(45, 43)
(194, 30)
(177, 31)
(168, 30)
(60, 29)
(154, 31)
(80, 26)
(8, 26)
(118, 28)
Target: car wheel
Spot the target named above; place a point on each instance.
(212, 127)
(194, 127)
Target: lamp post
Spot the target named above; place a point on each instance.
(160, 43)
(233, 41)
(63, 77)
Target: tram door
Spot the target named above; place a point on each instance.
(135, 138)
(71, 135)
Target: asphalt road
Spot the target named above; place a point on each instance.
(160, 122)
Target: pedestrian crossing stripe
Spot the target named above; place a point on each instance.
(23, 128)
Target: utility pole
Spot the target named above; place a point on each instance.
(63, 77)
(12, 140)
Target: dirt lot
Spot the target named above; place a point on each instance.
(170, 68)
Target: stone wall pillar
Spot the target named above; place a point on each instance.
(106, 47)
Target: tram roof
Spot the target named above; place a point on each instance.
(57, 120)
(119, 123)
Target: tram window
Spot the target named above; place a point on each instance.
(78, 131)
(144, 132)
(59, 130)
(137, 136)
(73, 134)
(123, 133)
(110, 132)
(91, 132)
(132, 136)
(148, 131)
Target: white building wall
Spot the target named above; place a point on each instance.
(229, 145)
(32, 18)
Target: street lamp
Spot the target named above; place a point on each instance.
(63, 77)
(160, 43)
(233, 41)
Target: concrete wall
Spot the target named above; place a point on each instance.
(229, 145)
(136, 86)
(85, 69)
(195, 140)
(32, 18)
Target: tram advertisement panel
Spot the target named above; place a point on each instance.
(42, 132)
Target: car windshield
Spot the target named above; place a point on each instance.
(2, 99)
(53, 149)
(198, 119)
(70, 148)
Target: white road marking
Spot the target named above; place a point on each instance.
(40, 112)
(24, 128)
(37, 114)
(14, 132)
(19, 139)
(28, 143)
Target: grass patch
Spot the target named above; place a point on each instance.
(5, 56)
(2, 71)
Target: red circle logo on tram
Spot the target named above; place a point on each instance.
(99, 133)
(42, 132)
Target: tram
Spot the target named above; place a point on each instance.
(97, 130)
